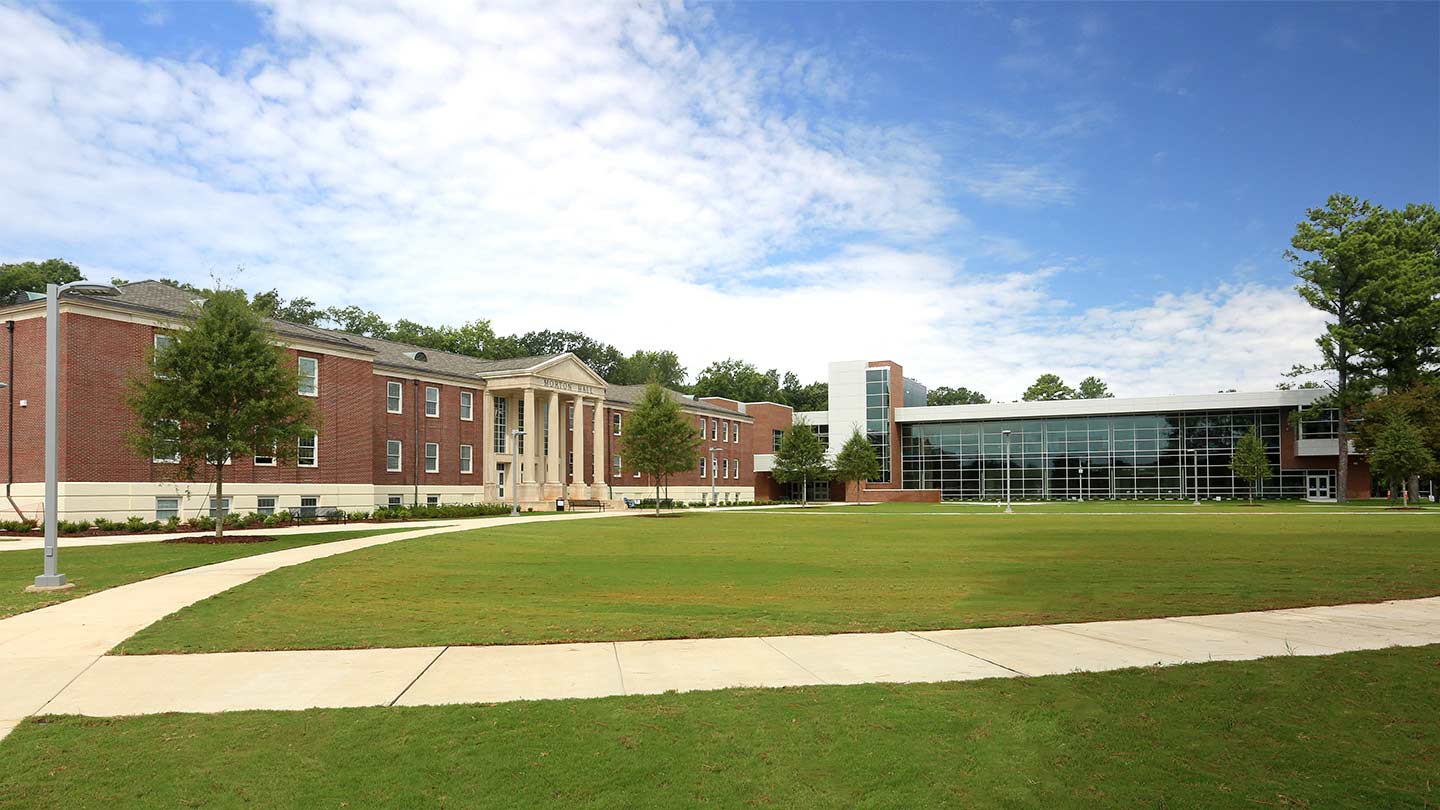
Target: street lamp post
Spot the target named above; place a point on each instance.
(52, 579)
(1006, 434)
(515, 470)
(714, 471)
(1082, 483)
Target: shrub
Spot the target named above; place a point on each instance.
(135, 523)
(270, 521)
(361, 515)
(203, 523)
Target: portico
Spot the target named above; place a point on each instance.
(559, 404)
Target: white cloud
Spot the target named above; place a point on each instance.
(627, 171)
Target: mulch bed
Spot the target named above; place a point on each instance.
(212, 540)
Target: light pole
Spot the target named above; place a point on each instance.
(1082, 483)
(52, 579)
(1006, 434)
(515, 470)
(713, 472)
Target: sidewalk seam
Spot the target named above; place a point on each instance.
(443, 650)
(619, 670)
(62, 689)
(804, 668)
(967, 652)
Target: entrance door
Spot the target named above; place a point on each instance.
(1317, 487)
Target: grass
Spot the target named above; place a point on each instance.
(782, 572)
(1348, 731)
(1023, 506)
(95, 568)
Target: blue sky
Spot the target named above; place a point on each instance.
(981, 192)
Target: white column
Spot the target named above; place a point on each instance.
(602, 467)
(487, 441)
(577, 443)
(553, 473)
(531, 455)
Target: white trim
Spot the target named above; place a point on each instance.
(428, 414)
(467, 469)
(315, 439)
(429, 445)
(399, 398)
(300, 365)
(462, 408)
(1298, 398)
(399, 455)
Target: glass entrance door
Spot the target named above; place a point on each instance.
(1317, 486)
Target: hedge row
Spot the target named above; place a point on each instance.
(254, 520)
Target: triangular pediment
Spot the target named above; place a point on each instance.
(569, 368)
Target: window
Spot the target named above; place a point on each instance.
(615, 466)
(775, 437)
(501, 424)
(467, 459)
(432, 500)
(219, 507)
(726, 433)
(394, 397)
(265, 460)
(467, 406)
(265, 504)
(520, 426)
(394, 500)
(545, 429)
(1324, 426)
(432, 401)
(725, 467)
(735, 432)
(163, 342)
(500, 483)
(394, 450)
(714, 430)
(166, 508)
(702, 427)
(570, 417)
(167, 452)
(735, 468)
(309, 505)
(614, 424)
(702, 466)
(309, 377)
(308, 454)
(432, 457)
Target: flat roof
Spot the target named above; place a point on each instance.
(1110, 406)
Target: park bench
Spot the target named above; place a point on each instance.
(586, 504)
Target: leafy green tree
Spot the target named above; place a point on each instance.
(1047, 388)
(222, 389)
(945, 395)
(33, 276)
(296, 310)
(1308, 384)
(1398, 335)
(1333, 252)
(658, 440)
(602, 357)
(800, 459)
(1418, 405)
(738, 380)
(1249, 461)
(643, 367)
(1400, 452)
(1093, 388)
(474, 338)
(813, 396)
(856, 461)
(357, 321)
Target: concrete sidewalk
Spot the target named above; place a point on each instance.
(44, 650)
(121, 685)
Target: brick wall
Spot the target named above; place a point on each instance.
(447, 430)
(28, 444)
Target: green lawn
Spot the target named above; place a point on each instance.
(1348, 731)
(96, 568)
(1022, 506)
(776, 572)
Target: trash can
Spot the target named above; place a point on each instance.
(559, 504)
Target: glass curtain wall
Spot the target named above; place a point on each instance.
(1123, 457)
(877, 416)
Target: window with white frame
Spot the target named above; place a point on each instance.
(309, 377)
(725, 467)
(265, 459)
(432, 500)
(394, 500)
(308, 451)
(501, 423)
(162, 343)
(569, 417)
(467, 459)
(615, 465)
(702, 466)
(615, 424)
(467, 406)
(703, 427)
(545, 429)
(219, 507)
(500, 483)
(432, 457)
(735, 432)
(726, 432)
(394, 397)
(166, 508)
(309, 505)
(520, 426)
(714, 430)
(168, 451)
(734, 468)
(265, 504)
(432, 401)
(394, 452)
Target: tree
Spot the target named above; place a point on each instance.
(1400, 452)
(33, 276)
(357, 321)
(643, 367)
(1093, 388)
(1333, 252)
(944, 395)
(813, 396)
(1046, 388)
(658, 439)
(1249, 461)
(800, 459)
(221, 389)
(738, 380)
(602, 357)
(856, 460)
(303, 311)
(1398, 334)
(1418, 405)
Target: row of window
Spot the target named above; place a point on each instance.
(395, 454)
(307, 454)
(395, 401)
(169, 507)
(724, 468)
(717, 430)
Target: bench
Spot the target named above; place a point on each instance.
(586, 504)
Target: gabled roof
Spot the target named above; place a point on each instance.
(632, 394)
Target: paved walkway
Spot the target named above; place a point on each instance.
(121, 685)
(44, 650)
